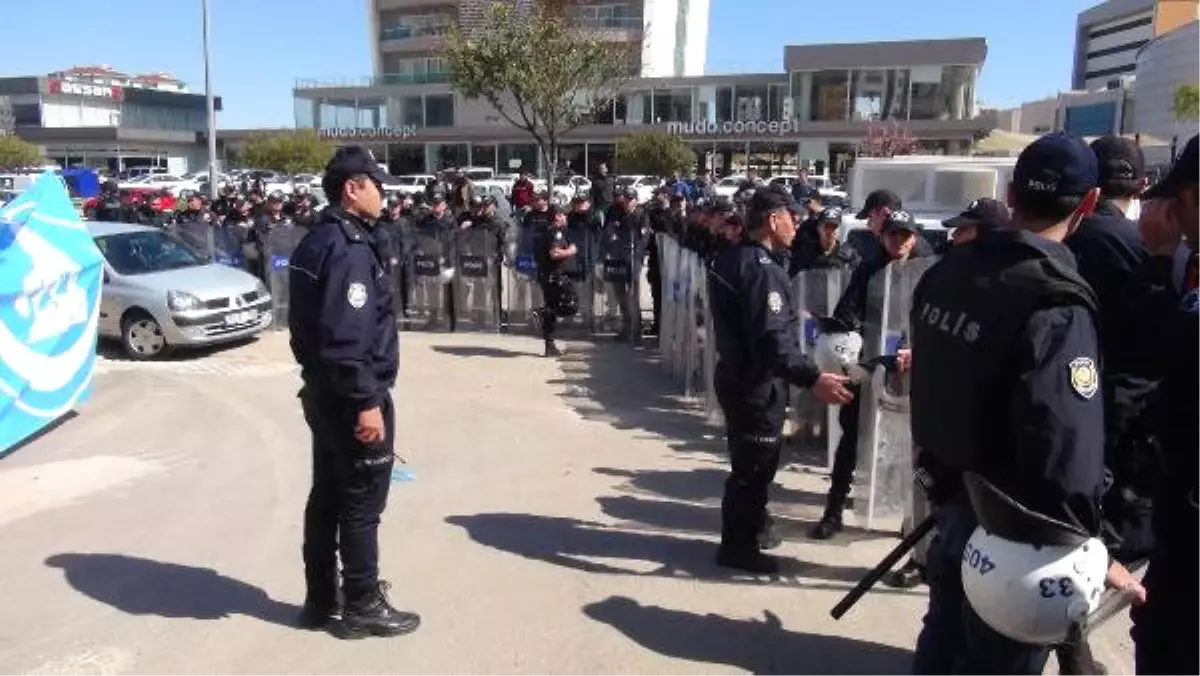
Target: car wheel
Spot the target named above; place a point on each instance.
(142, 336)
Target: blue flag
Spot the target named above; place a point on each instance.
(50, 281)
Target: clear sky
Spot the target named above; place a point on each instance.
(261, 46)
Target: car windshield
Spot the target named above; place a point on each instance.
(142, 252)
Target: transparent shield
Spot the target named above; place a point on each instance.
(885, 454)
(816, 294)
(228, 247)
(522, 295)
(427, 291)
(197, 235)
(476, 302)
(281, 242)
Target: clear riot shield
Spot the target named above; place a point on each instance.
(426, 289)
(522, 294)
(621, 271)
(816, 293)
(474, 285)
(580, 269)
(669, 332)
(712, 407)
(281, 242)
(196, 234)
(696, 333)
(884, 474)
(229, 246)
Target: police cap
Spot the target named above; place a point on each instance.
(984, 213)
(878, 199)
(1119, 159)
(830, 216)
(629, 193)
(1182, 174)
(436, 198)
(722, 204)
(900, 221)
(1056, 165)
(348, 161)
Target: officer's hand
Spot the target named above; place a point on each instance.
(831, 389)
(1120, 578)
(572, 250)
(369, 429)
(904, 360)
(1160, 227)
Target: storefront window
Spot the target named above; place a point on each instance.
(942, 92)
(777, 95)
(570, 159)
(405, 158)
(412, 111)
(724, 104)
(801, 86)
(751, 103)
(484, 156)
(447, 155)
(641, 106)
(518, 157)
(600, 153)
(439, 110)
(828, 100)
(673, 105)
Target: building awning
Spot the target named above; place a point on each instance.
(1002, 143)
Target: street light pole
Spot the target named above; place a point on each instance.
(212, 113)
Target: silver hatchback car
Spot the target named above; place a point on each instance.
(160, 294)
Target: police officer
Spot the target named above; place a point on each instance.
(980, 216)
(900, 236)
(1108, 251)
(659, 216)
(817, 246)
(1005, 384)
(758, 354)
(435, 227)
(194, 213)
(343, 334)
(876, 209)
(625, 240)
(1166, 301)
(603, 192)
(271, 218)
(551, 252)
(108, 207)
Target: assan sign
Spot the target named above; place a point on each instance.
(57, 86)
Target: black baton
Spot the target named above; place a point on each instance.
(864, 585)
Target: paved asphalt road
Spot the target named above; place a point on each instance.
(559, 518)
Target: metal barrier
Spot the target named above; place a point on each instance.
(884, 476)
(281, 242)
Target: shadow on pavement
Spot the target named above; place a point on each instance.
(576, 544)
(700, 484)
(760, 647)
(111, 349)
(145, 587)
(469, 351)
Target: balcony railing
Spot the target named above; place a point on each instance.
(434, 77)
(410, 31)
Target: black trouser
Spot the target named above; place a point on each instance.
(754, 434)
(557, 294)
(655, 280)
(845, 457)
(349, 492)
(1166, 626)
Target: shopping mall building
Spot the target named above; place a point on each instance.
(817, 111)
(98, 117)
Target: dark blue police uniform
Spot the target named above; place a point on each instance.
(757, 332)
(343, 335)
(1167, 321)
(1005, 383)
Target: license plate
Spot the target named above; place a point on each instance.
(240, 318)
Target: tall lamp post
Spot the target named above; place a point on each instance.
(212, 113)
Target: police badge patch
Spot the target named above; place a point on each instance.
(356, 295)
(774, 302)
(1084, 379)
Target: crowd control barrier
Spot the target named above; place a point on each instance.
(884, 477)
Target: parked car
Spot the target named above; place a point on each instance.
(567, 187)
(412, 183)
(159, 294)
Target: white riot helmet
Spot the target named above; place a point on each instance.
(838, 352)
(1027, 576)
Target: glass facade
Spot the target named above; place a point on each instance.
(419, 26)
(138, 116)
(1097, 119)
(414, 70)
(345, 113)
(873, 94)
(618, 16)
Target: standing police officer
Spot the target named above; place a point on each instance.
(551, 251)
(1166, 299)
(343, 334)
(1005, 380)
(758, 355)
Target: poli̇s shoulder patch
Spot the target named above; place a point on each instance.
(356, 295)
(774, 302)
(1084, 378)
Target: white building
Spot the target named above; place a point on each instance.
(1164, 64)
(1107, 39)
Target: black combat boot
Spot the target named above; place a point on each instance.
(321, 603)
(552, 349)
(767, 537)
(831, 522)
(372, 615)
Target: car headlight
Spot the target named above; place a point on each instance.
(180, 301)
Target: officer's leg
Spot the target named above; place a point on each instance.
(548, 315)
(451, 316)
(621, 292)
(845, 458)
(754, 439)
(1165, 627)
(940, 635)
(368, 472)
(320, 524)
(655, 282)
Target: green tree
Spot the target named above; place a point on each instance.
(655, 154)
(541, 73)
(16, 153)
(1186, 103)
(292, 152)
